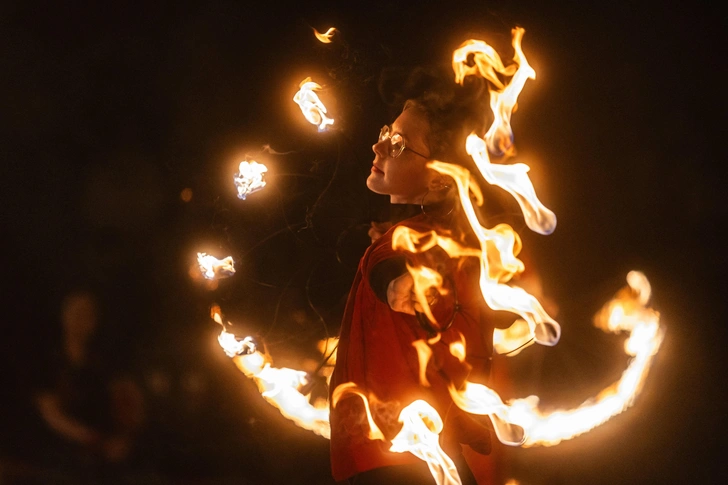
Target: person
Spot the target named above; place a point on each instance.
(382, 319)
(92, 416)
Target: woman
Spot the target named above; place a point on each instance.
(381, 323)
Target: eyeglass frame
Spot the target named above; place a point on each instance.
(391, 152)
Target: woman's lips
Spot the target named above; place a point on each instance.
(376, 169)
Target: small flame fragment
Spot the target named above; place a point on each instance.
(424, 353)
(311, 106)
(421, 427)
(514, 339)
(426, 280)
(249, 178)
(233, 346)
(326, 36)
(212, 267)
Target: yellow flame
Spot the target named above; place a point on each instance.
(329, 346)
(499, 137)
(424, 353)
(311, 106)
(326, 36)
(212, 267)
(627, 311)
(421, 427)
(350, 388)
(514, 179)
(249, 178)
(425, 280)
(279, 386)
(513, 339)
(499, 246)
(457, 348)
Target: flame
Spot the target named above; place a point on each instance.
(628, 312)
(249, 178)
(311, 106)
(513, 339)
(504, 98)
(424, 353)
(425, 280)
(499, 264)
(457, 348)
(279, 386)
(499, 137)
(326, 36)
(514, 179)
(212, 267)
(328, 347)
(350, 388)
(232, 346)
(421, 427)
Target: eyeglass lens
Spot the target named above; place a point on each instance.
(396, 142)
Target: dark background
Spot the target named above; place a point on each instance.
(111, 110)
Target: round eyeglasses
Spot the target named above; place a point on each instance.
(396, 143)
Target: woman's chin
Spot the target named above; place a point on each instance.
(374, 183)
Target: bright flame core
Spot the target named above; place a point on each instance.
(311, 106)
(421, 427)
(212, 267)
(249, 178)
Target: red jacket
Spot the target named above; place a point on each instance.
(375, 352)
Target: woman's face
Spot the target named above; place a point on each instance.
(406, 178)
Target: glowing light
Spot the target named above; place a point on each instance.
(628, 312)
(233, 346)
(250, 178)
(326, 36)
(350, 388)
(186, 194)
(279, 386)
(514, 339)
(212, 267)
(421, 427)
(499, 137)
(311, 106)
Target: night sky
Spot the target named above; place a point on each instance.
(111, 111)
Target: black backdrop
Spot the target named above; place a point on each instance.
(110, 111)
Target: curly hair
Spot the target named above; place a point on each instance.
(453, 111)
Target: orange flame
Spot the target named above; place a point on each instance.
(426, 279)
(212, 267)
(424, 353)
(326, 36)
(499, 137)
(499, 264)
(279, 386)
(311, 106)
(350, 388)
(514, 339)
(627, 311)
(421, 427)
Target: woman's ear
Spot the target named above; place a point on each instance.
(439, 182)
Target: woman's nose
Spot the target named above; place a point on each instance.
(380, 148)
